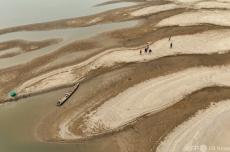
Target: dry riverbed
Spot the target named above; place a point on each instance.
(137, 102)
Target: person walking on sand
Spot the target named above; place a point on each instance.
(150, 51)
(146, 50)
(140, 52)
(171, 45)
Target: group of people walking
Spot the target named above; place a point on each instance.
(147, 50)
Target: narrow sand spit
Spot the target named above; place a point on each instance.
(60, 78)
(187, 44)
(208, 129)
(153, 9)
(10, 51)
(219, 17)
(197, 1)
(186, 2)
(212, 4)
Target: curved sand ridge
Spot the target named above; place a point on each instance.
(208, 129)
(193, 2)
(220, 17)
(154, 95)
(171, 6)
(150, 97)
(187, 44)
(212, 4)
(154, 9)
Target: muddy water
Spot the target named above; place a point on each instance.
(68, 36)
(14, 13)
(18, 125)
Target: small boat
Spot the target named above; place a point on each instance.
(62, 100)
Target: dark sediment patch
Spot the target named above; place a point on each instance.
(27, 45)
(7, 55)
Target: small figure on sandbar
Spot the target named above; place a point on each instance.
(150, 51)
(171, 45)
(146, 50)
